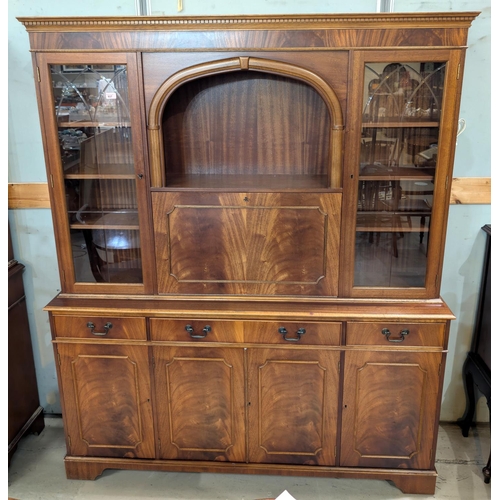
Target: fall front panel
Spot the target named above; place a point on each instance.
(219, 243)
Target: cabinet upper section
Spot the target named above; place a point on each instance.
(255, 155)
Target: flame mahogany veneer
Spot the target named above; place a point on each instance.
(246, 347)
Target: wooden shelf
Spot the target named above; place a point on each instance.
(110, 220)
(403, 173)
(101, 171)
(400, 124)
(250, 182)
(389, 223)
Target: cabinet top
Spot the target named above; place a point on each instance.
(284, 32)
(336, 310)
(296, 21)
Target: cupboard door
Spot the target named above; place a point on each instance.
(402, 161)
(390, 409)
(292, 406)
(398, 151)
(213, 242)
(96, 167)
(200, 403)
(107, 400)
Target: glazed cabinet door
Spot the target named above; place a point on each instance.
(107, 400)
(390, 409)
(292, 405)
(405, 128)
(95, 160)
(200, 403)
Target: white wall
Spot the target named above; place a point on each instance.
(214, 7)
(465, 241)
(32, 230)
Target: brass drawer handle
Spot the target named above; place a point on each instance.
(190, 330)
(283, 331)
(107, 327)
(402, 335)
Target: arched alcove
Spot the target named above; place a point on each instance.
(243, 123)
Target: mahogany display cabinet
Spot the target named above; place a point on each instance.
(250, 217)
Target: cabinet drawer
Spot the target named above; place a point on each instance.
(81, 327)
(196, 330)
(285, 332)
(397, 334)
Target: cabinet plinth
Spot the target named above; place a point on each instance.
(250, 226)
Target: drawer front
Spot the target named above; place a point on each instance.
(196, 330)
(396, 334)
(104, 327)
(285, 332)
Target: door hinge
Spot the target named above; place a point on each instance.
(439, 369)
(69, 441)
(458, 71)
(59, 358)
(447, 182)
(38, 74)
(51, 181)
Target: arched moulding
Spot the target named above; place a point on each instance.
(242, 64)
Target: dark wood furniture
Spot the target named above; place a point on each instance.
(477, 366)
(25, 412)
(247, 282)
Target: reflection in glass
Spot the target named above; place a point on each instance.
(95, 138)
(398, 157)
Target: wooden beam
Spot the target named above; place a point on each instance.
(471, 191)
(29, 195)
(464, 191)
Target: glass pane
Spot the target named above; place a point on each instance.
(398, 151)
(95, 138)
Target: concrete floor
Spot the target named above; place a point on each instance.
(37, 472)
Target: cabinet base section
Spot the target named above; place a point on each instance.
(408, 481)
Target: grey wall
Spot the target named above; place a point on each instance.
(32, 230)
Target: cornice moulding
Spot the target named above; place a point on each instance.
(324, 21)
